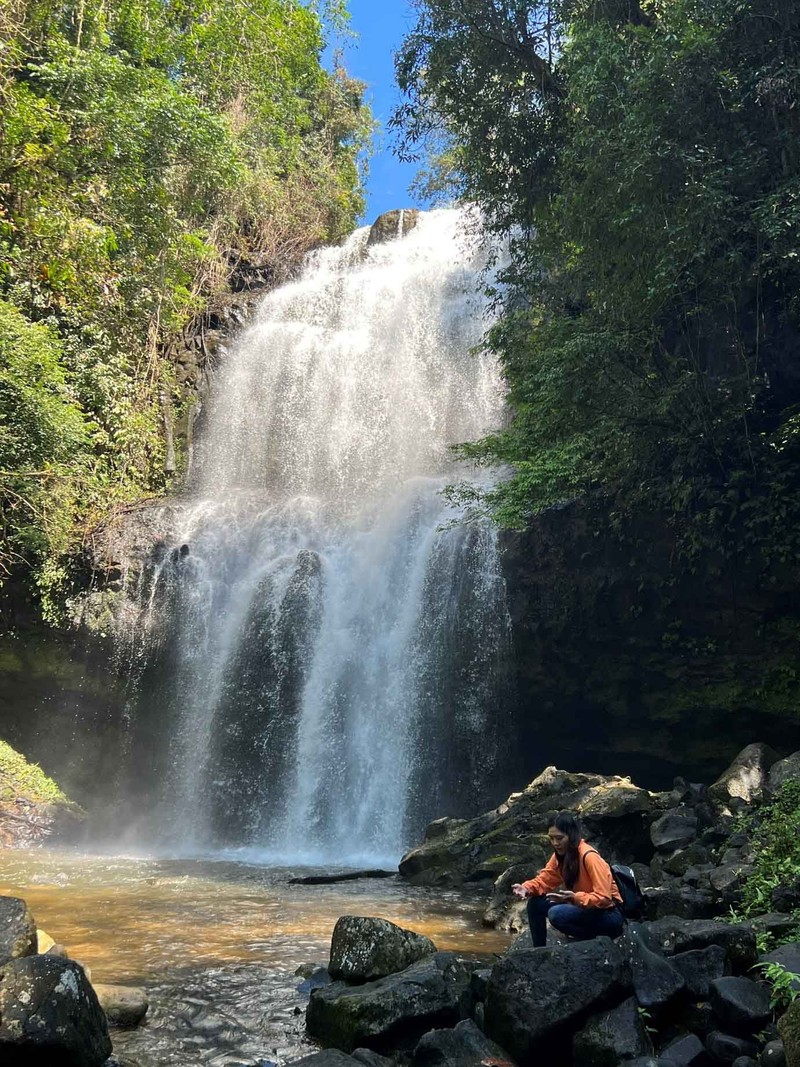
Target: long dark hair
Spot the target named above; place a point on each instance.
(570, 863)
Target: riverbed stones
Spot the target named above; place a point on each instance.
(655, 981)
(684, 1051)
(396, 1009)
(699, 968)
(124, 1006)
(17, 930)
(611, 1036)
(365, 948)
(464, 1046)
(534, 996)
(50, 1015)
(727, 1048)
(741, 1005)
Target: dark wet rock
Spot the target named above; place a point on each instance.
(364, 948)
(676, 828)
(17, 930)
(50, 1015)
(726, 1048)
(329, 1057)
(125, 1006)
(700, 967)
(463, 1046)
(773, 1054)
(786, 898)
(614, 813)
(396, 1009)
(788, 956)
(611, 1036)
(685, 1051)
(682, 935)
(370, 1058)
(479, 983)
(746, 779)
(698, 1018)
(745, 1061)
(655, 981)
(785, 770)
(392, 225)
(532, 994)
(741, 1005)
(523, 943)
(683, 901)
(680, 861)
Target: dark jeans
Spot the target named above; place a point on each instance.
(581, 923)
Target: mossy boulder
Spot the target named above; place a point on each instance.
(32, 806)
(614, 812)
(789, 1029)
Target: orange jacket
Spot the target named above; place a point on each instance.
(595, 886)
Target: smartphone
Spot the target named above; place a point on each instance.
(557, 894)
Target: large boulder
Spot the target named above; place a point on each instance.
(727, 1048)
(615, 815)
(741, 1005)
(785, 770)
(699, 968)
(789, 1029)
(50, 1015)
(676, 828)
(612, 1036)
(392, 225)
(788, 957)
(363, 948)
(463, 1046)
(687, 1050)
(393, 1010)
(329, 1057)
(746, 779)
(682, 935)
(655, 981)
(18, 935)
(535, 996)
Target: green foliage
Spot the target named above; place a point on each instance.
(145, 150)
(774, 830)
(644, 161)
(785, 985)
(18, 778)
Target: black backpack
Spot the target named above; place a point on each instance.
(629, 889)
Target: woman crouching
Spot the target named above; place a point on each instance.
(575, 890)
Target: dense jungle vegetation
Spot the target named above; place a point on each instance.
(645, 158)
(146, 149)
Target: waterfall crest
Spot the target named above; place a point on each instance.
(333, 672)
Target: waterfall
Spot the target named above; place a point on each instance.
(334, 668)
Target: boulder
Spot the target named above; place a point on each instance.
(464, 1046)
(125, 1006)
(370, 1058)
(745, 1061)
(392, 225)
(615, 814)
(504, 911)
(684, 1051)
(741, 1005)
(683, 901)
(533, 995)
(698, 1018)
(655, 981)
(392, 1010)
(329, 1057)
(746, 779)
(785, 770)
(700, 967)
(682, 935)
(611, 1036)
(50, 1015)
(788, 956)
(789, 1029)
(773, 1054)
(17, 930)
(675, 829)
(363, 949)
(725, 1048)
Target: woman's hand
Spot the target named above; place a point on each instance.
(520, 891)
(562, 896)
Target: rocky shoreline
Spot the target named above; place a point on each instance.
(687, 986)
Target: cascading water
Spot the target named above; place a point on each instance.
(336, 642)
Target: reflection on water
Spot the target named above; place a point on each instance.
(216, 944)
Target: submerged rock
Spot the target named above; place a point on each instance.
(125, 1006)
(50, 1015)
(364, 948)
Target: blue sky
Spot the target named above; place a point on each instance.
(381, 26)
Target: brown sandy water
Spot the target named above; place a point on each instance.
(216, 943)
